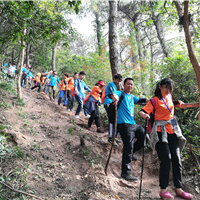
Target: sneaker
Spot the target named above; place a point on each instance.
(100, 130)
(134, 158)
(118, 140)
(129, 177)
(166, 195)
(89, 129)
(184, 195)
(68, 110)
(87, 116)
(64, 105)
(110, 142)
(76, 117)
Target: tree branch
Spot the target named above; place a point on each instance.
(20, 191)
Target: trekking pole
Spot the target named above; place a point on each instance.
(113, 139)
(143, 157)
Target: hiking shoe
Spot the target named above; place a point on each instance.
(87, 116)
(110, 142)
(129, 177)
(76, 117)
(100, 130)
(89, 129)
(134, 158)
(118, 140)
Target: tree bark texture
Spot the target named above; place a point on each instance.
(191, 52)
(53, 63)
(99, 34)
(113, 51)
(13, 54)
(19, 91)
(28, 53)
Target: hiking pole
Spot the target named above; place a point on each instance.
(143, 157)
(113, 139)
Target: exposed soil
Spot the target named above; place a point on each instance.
(61, 167)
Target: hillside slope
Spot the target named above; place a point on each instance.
(53, 163)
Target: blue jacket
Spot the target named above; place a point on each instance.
(81, 86)
(53, 80)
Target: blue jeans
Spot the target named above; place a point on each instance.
(62, 92)
(80, 99)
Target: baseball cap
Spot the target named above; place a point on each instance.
(101, 83)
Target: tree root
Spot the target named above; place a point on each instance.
(20, 191)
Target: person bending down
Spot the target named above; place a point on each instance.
(92, 105)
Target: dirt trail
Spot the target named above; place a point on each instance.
(63, 169)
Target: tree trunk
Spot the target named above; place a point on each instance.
(54, 57)
(28, 54)
(192, 56)
(19, 92)
(158, 24)
(113, 51)
(99, 34)
(13, 55)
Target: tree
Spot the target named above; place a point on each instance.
(188, 38)
(114, 62)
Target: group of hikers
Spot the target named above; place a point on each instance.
(166, 136)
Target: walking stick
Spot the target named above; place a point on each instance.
(113, 139)
(143, 157)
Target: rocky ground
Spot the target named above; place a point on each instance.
(57, 158)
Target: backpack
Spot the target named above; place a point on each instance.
(152, 115)
(24, 75)
(111, 110)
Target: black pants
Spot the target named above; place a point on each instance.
(70, 100)
(38, 85)
(128, 133)
(169, 153)
(94, 116)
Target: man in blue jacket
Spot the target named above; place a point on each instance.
(79, 91)
(127, 126)
(52, 85)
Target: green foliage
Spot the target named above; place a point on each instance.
(19, 102)
(96, 67)
(7, 86)
(70, 131)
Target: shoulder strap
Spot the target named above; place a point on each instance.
(69, 81)
(153, 102)
(65, 82)
(120, 100)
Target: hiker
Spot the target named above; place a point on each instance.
(5, 69)
(36, 80)
(24, 77)
(63, 89)
(92, 104)
(29, 78)
(46, 82)
(11, 71)
(79, 91)
(52, 85)
(127, 126)
(70, 93)
(166, 137)
(108, 106)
